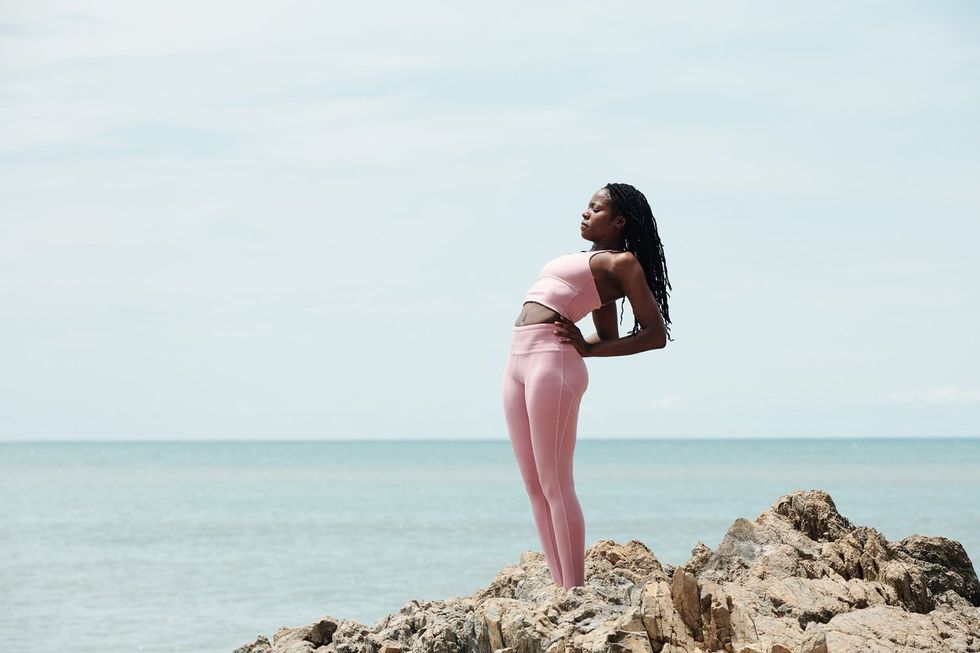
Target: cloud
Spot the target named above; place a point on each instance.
(669, 399)
(308, 211)
(940, 395)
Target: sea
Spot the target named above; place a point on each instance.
(203, 546)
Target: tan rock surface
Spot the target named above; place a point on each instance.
(799, 578)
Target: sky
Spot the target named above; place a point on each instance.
(317, 220)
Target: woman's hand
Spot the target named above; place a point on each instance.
(568, 332)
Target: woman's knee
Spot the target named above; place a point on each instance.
(532, 484)
(556, 485)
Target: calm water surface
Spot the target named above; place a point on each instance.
(167, 546)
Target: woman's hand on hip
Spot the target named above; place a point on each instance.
(568, 332)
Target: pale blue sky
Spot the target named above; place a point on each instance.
(317, 220)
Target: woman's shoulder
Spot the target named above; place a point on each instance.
(613, 262)
(623, 263)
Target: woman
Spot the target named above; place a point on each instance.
(545, 375)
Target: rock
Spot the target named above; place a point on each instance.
(662, 622)
(686, 598)
(260, 645)
(944, 565)
(800, 577)
(813, 514)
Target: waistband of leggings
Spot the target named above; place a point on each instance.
(536, 337)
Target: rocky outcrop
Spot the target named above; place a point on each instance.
(800, 578)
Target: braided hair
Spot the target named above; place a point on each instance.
(642, 239)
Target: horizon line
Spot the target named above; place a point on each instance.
(498, 439)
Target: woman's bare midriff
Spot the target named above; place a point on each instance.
(535, 313)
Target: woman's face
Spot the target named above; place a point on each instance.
(598, 221)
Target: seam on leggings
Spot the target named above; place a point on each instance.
(561, 442)
(570, 388)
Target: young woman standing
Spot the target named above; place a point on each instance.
(545, 376)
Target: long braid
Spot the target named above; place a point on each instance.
(642, 238)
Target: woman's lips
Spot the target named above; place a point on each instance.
(582, 225)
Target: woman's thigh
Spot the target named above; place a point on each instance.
(518, 421)
(554, 385)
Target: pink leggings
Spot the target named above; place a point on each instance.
(542, 388)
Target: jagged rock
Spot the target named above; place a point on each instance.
(800, 577)
(699, 557)
(260, 645)
(944, 565)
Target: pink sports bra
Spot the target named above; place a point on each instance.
(566, 285)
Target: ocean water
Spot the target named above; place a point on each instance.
(175, 546)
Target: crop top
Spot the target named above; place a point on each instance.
(566, 285)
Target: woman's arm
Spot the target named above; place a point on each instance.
(653, 333)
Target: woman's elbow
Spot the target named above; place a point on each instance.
(658, 338)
